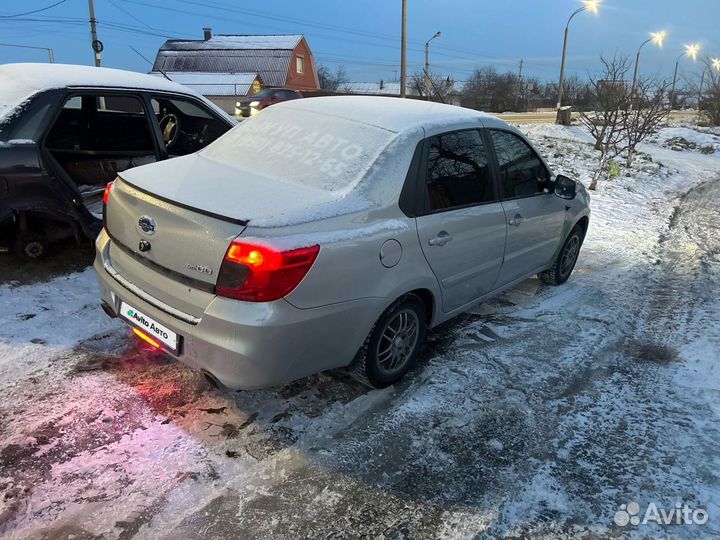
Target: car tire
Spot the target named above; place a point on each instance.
(565, 261)
(393, 345)
(30, 245)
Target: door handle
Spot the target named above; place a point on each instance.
(516, 221)
(440, 240)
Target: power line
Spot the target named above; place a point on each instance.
(138, 19)
(34, 11)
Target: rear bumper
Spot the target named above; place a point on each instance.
(249, 345)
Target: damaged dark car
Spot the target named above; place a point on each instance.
(66, 131)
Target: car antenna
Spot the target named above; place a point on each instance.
(149, 62)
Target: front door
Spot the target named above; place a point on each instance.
(462, 227)
(535, 216)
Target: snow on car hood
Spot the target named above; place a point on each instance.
(230, 191)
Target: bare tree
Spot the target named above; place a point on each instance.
(709, 94)
(438, 88)
(710, 112)
(333, 81)
(606, 123)
(488, 90)
(645, 115)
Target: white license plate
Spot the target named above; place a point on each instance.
(150, 326)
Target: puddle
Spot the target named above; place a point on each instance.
(654, 354)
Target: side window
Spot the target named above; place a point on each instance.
(300, 64)
(458, 172)
(95, 123)
(122, 125)
(186, 127)
(522, 174)
(95, 136)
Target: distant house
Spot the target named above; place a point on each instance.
(217, 84)
(381, 89)
(453, 89)
(215, 65)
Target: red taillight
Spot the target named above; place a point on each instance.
(106, 197)
(257, 273)
(106, 194)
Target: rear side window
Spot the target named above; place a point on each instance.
(458, 172)
(522, 174)
(102, 123)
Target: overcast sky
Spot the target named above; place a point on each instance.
(364, 35)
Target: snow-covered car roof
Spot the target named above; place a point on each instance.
(390, 113)
(19, 82)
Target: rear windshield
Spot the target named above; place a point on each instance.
(302, 147)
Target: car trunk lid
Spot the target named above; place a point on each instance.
(171, 252)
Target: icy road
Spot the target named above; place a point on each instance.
(535, 416)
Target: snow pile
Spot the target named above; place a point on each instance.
(686, 138)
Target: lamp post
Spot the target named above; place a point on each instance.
(692, 51)
(427, 64)
(592, 7)
(657, 38)
(51, 52)
(716, 65)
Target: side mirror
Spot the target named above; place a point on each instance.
(565, 188)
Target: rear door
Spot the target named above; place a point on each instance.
(461, 226)
(535, 216)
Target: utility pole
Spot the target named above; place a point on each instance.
(520, 83)
(96, 43)
(403, 50)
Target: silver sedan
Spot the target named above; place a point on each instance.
(331, 232)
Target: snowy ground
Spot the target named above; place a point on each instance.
(535, 416)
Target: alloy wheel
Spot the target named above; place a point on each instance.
(398, 341)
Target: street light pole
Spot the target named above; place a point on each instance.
(637, 64)
(51, 53)
(590, 5)
(427, 64)
(657, 38)
(702, 81)
(403, 50)
(672, 92)
(691, 51)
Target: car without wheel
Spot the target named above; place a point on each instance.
(350, 227)
(66, 131)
